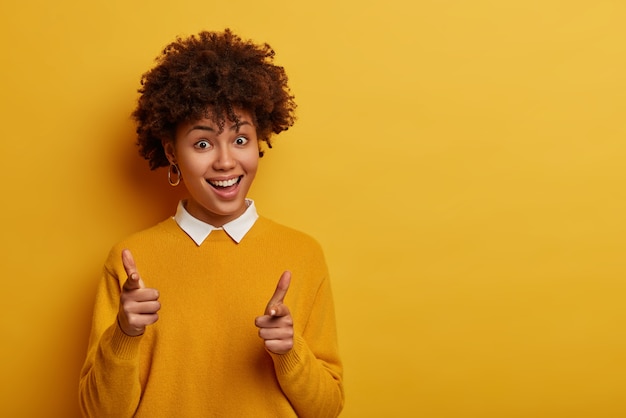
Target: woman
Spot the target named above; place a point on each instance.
(182, 325)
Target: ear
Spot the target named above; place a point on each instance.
(170, 150)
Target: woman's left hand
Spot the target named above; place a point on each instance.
(276, 326)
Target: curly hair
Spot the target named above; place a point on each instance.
(210, 75)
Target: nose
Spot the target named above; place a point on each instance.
(225, 159)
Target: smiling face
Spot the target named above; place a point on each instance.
(217, 166)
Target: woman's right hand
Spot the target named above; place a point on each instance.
(138, 304)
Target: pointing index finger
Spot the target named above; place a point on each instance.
(133, 281)
(279, 294)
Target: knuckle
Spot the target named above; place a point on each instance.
(126, 310)
(129, 307)
(132, 320)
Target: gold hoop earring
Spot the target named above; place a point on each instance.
(176, 170)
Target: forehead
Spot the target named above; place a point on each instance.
(217, 123)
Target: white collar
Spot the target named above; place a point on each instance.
(199, 230)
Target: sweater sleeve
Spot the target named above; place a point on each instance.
(109, 381)
(311, 373)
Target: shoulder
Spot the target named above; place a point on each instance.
(164, 229)
(269, 229)
(149, 239)
(287, 248)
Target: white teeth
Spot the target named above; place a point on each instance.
(225, 183)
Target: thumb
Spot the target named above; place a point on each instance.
(134, 280)
(279, 294)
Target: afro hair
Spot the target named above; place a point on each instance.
(210, 75)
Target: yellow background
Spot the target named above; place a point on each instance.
(461, 162)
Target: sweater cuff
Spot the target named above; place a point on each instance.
(288, 363)
(123, 346)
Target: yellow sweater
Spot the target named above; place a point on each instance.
(203, 357)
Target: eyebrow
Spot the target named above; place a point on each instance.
(235, 127)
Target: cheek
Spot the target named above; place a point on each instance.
(192, 167)
(251, 164)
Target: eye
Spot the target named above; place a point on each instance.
(202, 144)
(241, 140)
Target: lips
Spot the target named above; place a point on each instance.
(223, 184)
